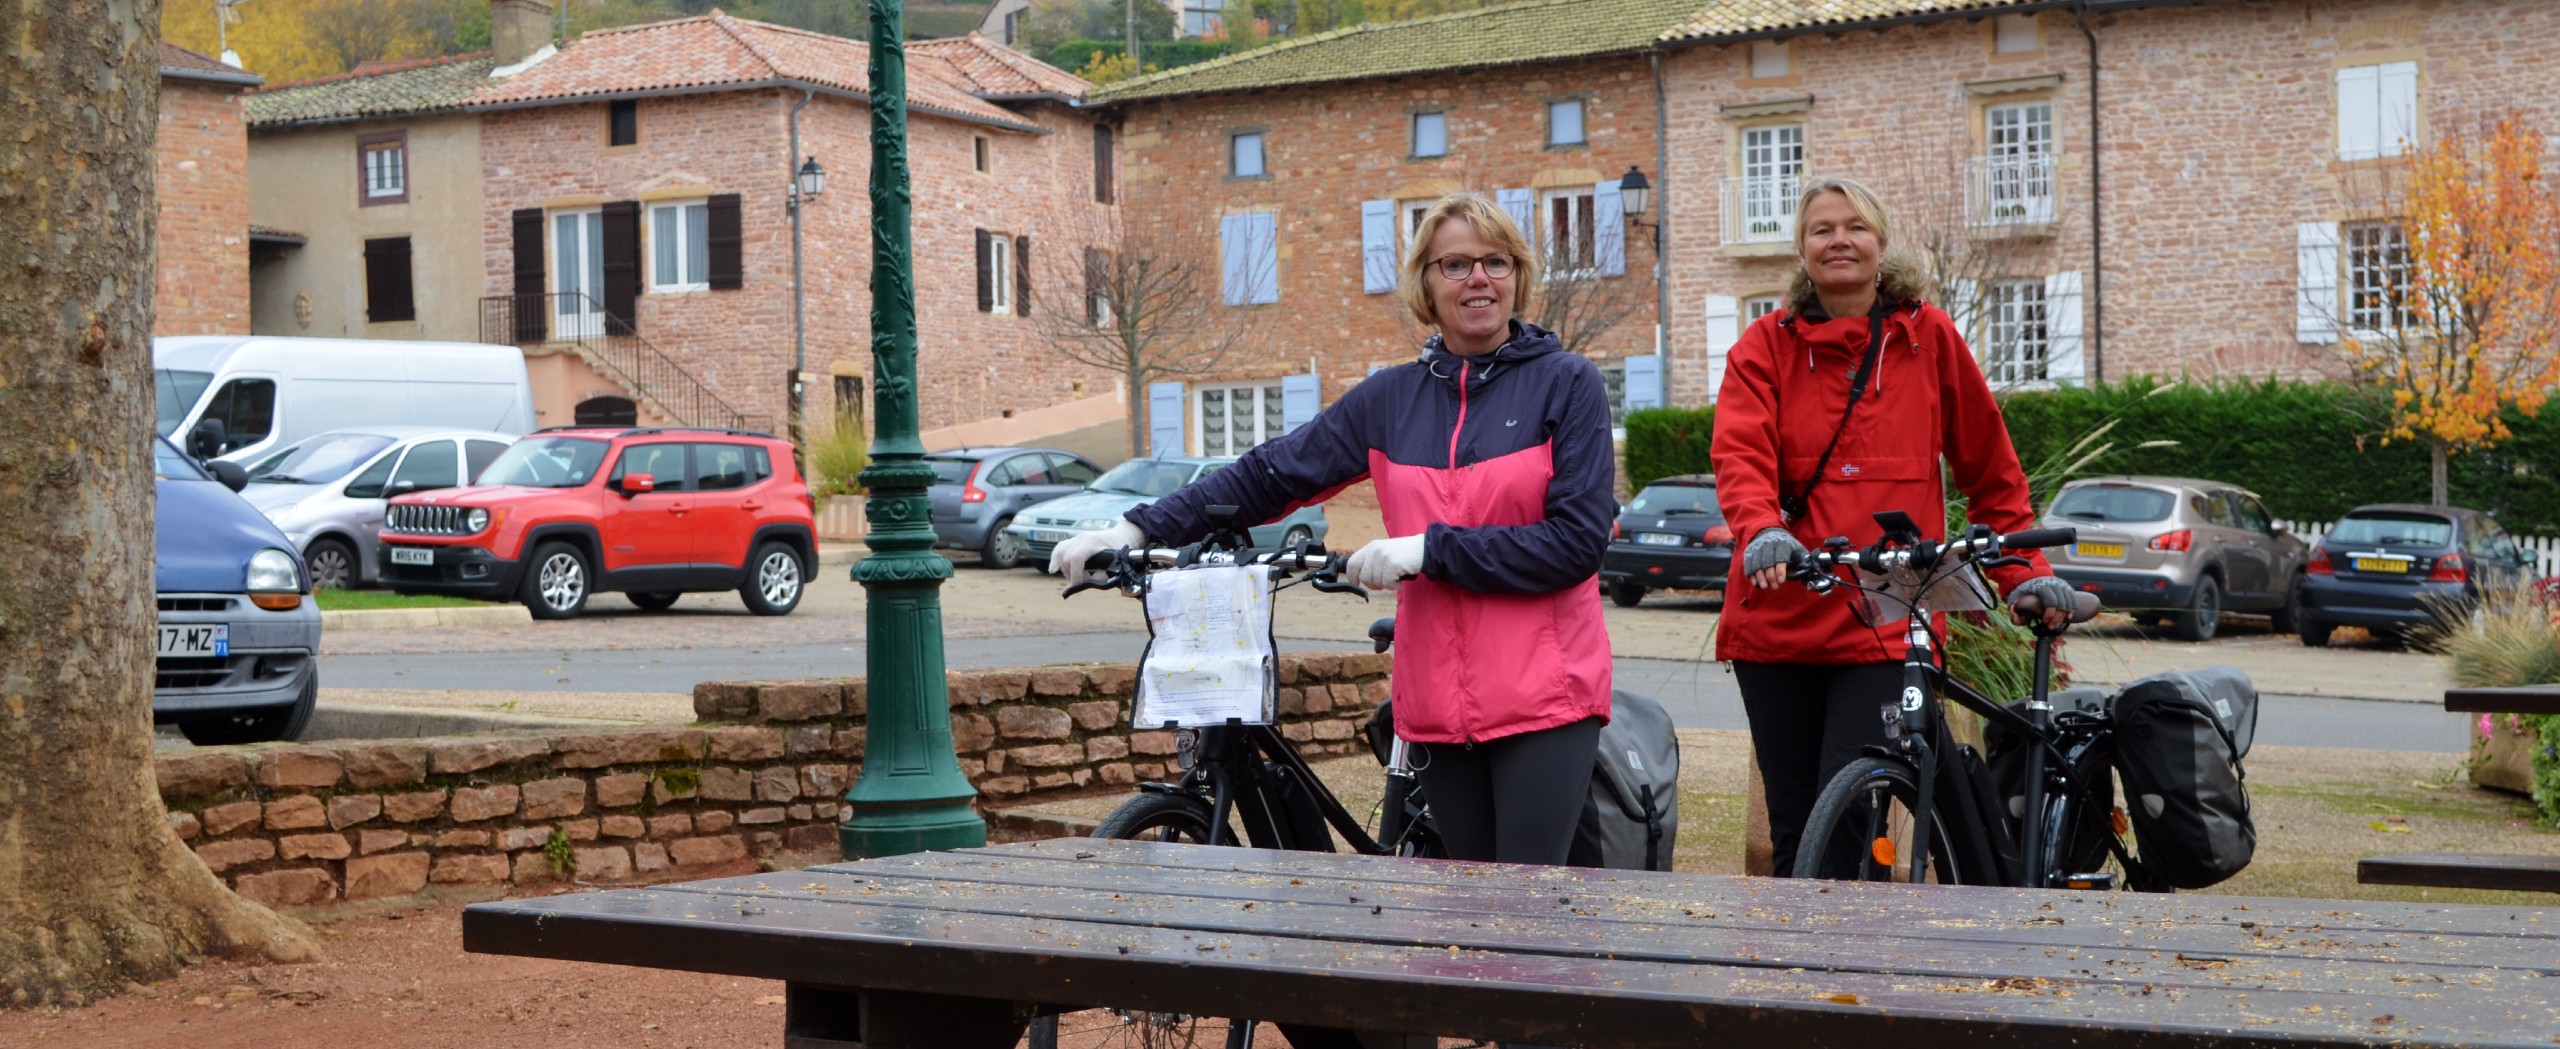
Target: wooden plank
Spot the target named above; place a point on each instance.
(817, 942)
(2462, 870)
(2520, 699)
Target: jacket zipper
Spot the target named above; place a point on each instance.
(1462, 415)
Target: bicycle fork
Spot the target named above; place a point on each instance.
(1907, 726)
(1400, 782)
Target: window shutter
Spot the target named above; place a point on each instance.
(1164, 418)
(530, 309)
(1523, 206)
(1724, 328)
(1022, 275)
(986, 272)
(621, 267)
(2359, 113)
(2396, 109)
(1102, 173)
(1644, 382)
(1266, 258)
(725, 233)
(1609, 229)
(1299, 395)
(2315, 300)
(1233, 270)
(388, 294)
(2064, 363)
(1377, 246)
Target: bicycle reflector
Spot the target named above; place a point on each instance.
(2115, 819)
(1882, 849)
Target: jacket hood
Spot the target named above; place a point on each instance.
(1902, 276)
(203, 537)
(1528, 342)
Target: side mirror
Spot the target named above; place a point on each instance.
(205, 441)
(636, 484)
(232, 475)
(2278, 528)
(403, 487)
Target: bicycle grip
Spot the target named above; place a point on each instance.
(2038, 538)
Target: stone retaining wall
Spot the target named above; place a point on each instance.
(766, 771)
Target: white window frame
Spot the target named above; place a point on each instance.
(1267, 408)
(2373, 257)
(2018, 172)
(1768, 59)
(396, 167)
(1261, 155)
(1200, 18)
(1000, 273)
(1581, 110)
(1772, 175)
(1408, 222)
(1759, 306)
(1571, 251)
(2018, 339)
(658, 281)
(1440, 117)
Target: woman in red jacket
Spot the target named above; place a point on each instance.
(1812, 675)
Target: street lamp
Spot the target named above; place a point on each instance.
(812, 178)
(1635, 193)
(806, 183)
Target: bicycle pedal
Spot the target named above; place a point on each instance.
(2101, 881)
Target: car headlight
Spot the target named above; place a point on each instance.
(275, 580)
(1091, 524)
(475, 520)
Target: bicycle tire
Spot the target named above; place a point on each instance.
(1837, 839)
(1150, 816)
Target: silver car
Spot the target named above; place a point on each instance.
(2179, 549)
(327, 491)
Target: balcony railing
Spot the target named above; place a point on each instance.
(2010, 191)
(611, 345)
(1760, 209)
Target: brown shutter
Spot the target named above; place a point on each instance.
(531, 309)
(622, 267)
(726, 238)
(1022, 276)
(1093, 277)
(986, 272)
(1102, 163)
(388, 294)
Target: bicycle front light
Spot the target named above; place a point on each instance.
(1186, 748)
(275, 581)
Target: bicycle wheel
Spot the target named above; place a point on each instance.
(1159, 817)
(1862, 824)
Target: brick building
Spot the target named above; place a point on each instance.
(200, 281)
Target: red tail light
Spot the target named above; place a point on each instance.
(2319, 563)
(810, 500)
(1617, 531)
(969, 490)
(2176, 542)
(2449, 569)
(1718, 534)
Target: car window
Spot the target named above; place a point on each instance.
(2253, 514)
(1676, 499)
(1208, 468)
(177, 392)
(547, 462)
(664, 463)
(1151, 478)
(950, 470)
(2208, 508)
(428, 466)
(1033, 468)
(1007, 473)
(2386, 528)
(319, 460)
(247, 410)
(2114, 502)
(370, 483)
(477, 455)
(169, 464)
(1065, 469)
(762, 461)
(720, 467)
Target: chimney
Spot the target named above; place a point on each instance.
(518, 28)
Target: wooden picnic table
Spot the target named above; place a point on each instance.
(960, 949)
(2475, 870)
(2520, 699)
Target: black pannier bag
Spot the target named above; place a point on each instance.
(2180, 738)
(1631, 816)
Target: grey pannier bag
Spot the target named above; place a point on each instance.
(1631, 818)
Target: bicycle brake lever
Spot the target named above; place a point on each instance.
(2003, 561)
(1082, 585)
(1336, 586)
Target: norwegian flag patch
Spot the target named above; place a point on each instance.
(1848, 470)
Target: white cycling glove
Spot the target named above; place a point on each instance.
(1071, 553)
(1384, 564)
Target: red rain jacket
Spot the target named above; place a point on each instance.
(1786, 382)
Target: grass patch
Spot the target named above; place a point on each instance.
(370, 600)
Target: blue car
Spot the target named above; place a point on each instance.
(1042, 526)
(238, 637)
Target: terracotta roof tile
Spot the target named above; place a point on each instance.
(189, 64)
(406, 88)
(996, 70)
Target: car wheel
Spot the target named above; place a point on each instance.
(1003, 549)
(1295, 535)
(1627, 593)
(2203, 614)
(773, 580)
(655, 602)
(2315, 634)
(273, 725)
(556, 583)
(332, 563)
(2286, 620)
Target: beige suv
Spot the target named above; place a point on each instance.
(2178, 549)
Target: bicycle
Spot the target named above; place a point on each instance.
(1922, 804)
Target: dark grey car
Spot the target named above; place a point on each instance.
(977, 491)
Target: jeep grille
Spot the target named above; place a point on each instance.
(425, 520)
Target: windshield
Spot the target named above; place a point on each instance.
(950, 471)
(321, 459)
(2393, 530)
(177, 392)
(1669, 499)
(168, 464)
(1152, 478)
(2114, 502)
(546, 462)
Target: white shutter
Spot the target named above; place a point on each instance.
(1377, 246)
(1298, 396)
(2359, 112)
(1523, 206)
(1644, 382)
(1164, 418)
(1609, 229)
(2064, 362)
(2396, 108)
(1724, 328)
(1964, 306)
(2315, 300)
(1265, 229)
(1235, 255)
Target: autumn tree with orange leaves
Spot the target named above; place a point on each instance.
(2465, 321)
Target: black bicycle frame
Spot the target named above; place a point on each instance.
(1916, 727)
(1248, 770)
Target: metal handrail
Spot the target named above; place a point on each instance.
(2011, 190)
(1759, 209)
(616, 349)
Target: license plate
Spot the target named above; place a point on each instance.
(1039, 536)
(412, 555)
(195, 639)
(2110, 551)
(2382, 564)
(1661, 539)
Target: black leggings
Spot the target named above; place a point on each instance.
(1809, 721)
(1514, 799)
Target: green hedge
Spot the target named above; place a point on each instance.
(2311, 449)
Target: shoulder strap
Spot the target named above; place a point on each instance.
(1792, 508)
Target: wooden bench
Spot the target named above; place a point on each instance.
(2475, 870)
(960, 949)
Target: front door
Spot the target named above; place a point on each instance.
(729, 495)
(577, 274)
(648, 540)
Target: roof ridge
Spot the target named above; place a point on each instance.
(402, 65)
(1012, 59)
(1339, 32)
(638, 27)
(730, 26)
(797, 31)
(191, 51)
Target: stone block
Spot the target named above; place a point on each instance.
(671, 825)
(369, 842)
(1319, 700)
(1157, 742)
(649, 856)
(412, 808)
(1057, 682)
(714, 821)
(199, 773)
(1286, 669)
(984, 687)
(995, 761)
(825, 781)
(1373, 694)
(387, 875)
(764, 842)
(469, 869)
(1112, 679)
(314, 847)
(1297, 732)
(534, 868)
(347, 810)
(230, 816)
(296, 812)
(760, 816)
(385, 765)
(1094, 715)
(609, 863)
(849, 740)
(707, 851)
(1367, 664)
(299, 767)
(660, 792)
(449, 757)
(473, 804)
(299, 887)
(972, 768)
(1293, 702)
(549, 799)
(801, 741)
(460, 838)
(971, 733)
(578, 830)
(779, 783)
(1322, 666)
(621, 789)
(622, 826)
(1054, 755)
(1106, 748)
(1148, 770)
(785, 701)
(857, 697)
(727, 784)
(724, 701)
(224, 855)
(1333, 729)
(802, 813)
(518, 839)
(1346, 696)
(1052, 780)
(1004, 786)
(1024, 721)
(816, 837)
(1118, 774)
(595, 751)
(186, 827)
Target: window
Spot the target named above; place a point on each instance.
(1012, 26)
(1000, 274)
(980, 154)
(664, 463)
(388, 291)
(1069, 470)
(1244, 155)
(1431, 134)
(370, 483)
(1757, 307)
(2378, 277)
(2017, 339)
(1564, 123)
(2011, 34)
(246, 408)
(1235, 418)
(1414, 210)
(721, 467)
(477, 455)
(1249, 259)
(1613, 381)
(2017, 174)
(2377, 110)
(427, 467)
(1103, 161)
(680, 246)
(1567, 231)
(622, 120)
(1772, 165)
(1768, 59)
(1201, 17)
(382, 164)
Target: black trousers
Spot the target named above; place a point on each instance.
(1514, 799)
(1808, 721)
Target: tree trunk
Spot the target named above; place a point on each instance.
(1141, 411)
(96, 892)
(2437, 493)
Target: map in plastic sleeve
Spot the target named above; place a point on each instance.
(1211, 661)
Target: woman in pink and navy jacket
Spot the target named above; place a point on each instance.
(1492, 460)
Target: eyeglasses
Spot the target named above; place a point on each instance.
(1457, 267)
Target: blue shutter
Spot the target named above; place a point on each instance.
(1377, 246)
(1164, 418)
(1265, 232)
(1298, 397)
(1644, 382)
(1523, 206)
(1609, 229)
(1235, 236)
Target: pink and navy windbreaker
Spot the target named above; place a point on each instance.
(1503, 461)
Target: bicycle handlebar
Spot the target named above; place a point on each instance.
(1125, 567)
(1815, 568)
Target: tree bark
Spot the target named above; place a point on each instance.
(96, 891)
(2438, 490)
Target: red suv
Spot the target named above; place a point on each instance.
(650, 512)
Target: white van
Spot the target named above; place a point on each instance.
(269, 392)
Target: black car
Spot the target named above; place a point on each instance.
(2392, 567)
(1672, 536)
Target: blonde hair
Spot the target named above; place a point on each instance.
(1861, 199)
(1490, 222)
